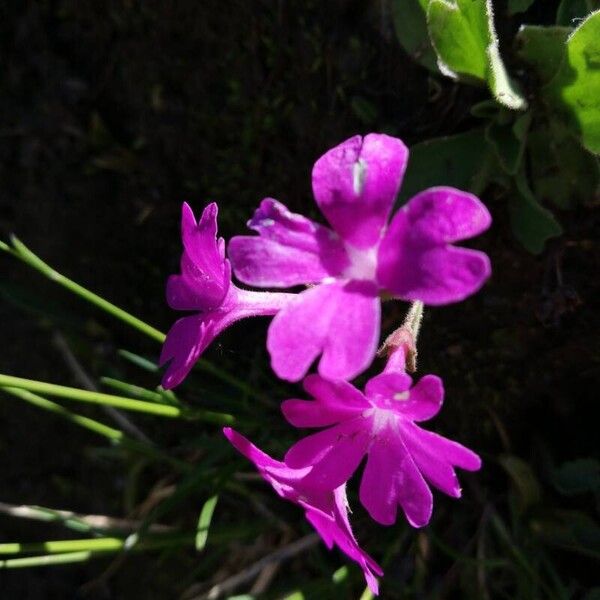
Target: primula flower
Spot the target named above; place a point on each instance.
(204, 286)
(327, 511)
(362, 257)
(379, 423)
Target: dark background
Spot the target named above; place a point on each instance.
(112, 113)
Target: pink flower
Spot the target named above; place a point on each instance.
(204, 286)
(380, 423)
(355, 185)
(327, 511)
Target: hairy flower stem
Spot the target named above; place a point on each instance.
(400, 346)
(414, 318)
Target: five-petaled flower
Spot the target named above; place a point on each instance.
(380, 423)
(326, 510)
(362, 257)
(204, 286)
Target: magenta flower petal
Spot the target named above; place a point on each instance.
(443, 215)
(338, 531)
(334, 401)
(333, 453)
(355, 185)
(204, 267)
(391, 478)
(339, 320)
(245, 447)
(326, 511)
(190, 336)
(415, 260)
(185, 342)
(387, 385)
(291, 249)
(421, 403)
(441, 447)
(437, 471)
(433, 274)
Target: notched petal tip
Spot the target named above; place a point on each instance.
(355, 184)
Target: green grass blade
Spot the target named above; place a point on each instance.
(135, 391)
(45, 561)
(103, 544)
(139, 361)
(206, 515)
(162, 410)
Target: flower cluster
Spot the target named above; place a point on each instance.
(363, 256)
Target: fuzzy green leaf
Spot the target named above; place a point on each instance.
(531, 223)
(575, 90)
(463, 36)
(562, 171)
(509, 142)
(542, 48)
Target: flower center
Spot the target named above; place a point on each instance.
(363, 263)
(383, 412)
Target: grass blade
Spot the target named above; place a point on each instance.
(206, 515)
(51, 389)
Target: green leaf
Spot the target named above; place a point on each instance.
(457, 160)
(509, 142)
(518, 6)
(571, 11)
(206, 515)
(575, 90)
(410, 22)
(463, 36)
(531, 223)
(577, 477)
(460, 36)
(562, 171)
(542, 48)
(340, 575)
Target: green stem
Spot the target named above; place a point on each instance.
(414, 318)
(45, 561)
(163, 410)
(107, 544)
(133, 390)
(152, 408)
(73, 551)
